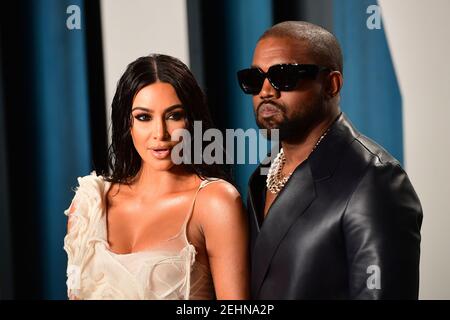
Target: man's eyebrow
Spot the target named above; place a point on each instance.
(175, 106)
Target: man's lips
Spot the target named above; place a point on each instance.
(268, 110)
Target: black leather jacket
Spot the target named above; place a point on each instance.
(345, 226)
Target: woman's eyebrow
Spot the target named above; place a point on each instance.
(141, 108)
(175, 106)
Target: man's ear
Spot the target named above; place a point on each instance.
(334, 83)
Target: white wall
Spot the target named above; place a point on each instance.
(134, 28)
(418, 33)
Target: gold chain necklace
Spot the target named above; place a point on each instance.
(275, 180)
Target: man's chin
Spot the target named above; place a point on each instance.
(269, 126)
(268, 123)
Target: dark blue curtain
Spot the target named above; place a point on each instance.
(48, 136)
(63, 127)
(371, 95)
(246, 20)
(231, 29)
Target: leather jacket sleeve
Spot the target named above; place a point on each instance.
(381, 226)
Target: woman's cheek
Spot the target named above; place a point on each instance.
(139, 135)
(176, 126)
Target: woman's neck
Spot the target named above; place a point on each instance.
(158, 182)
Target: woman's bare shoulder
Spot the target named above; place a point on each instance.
(218, 191)
(219, 203)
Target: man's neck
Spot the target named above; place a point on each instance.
(298, 151)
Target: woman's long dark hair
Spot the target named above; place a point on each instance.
(124, 160)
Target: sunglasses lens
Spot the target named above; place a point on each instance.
(285, 77)
(250, 80)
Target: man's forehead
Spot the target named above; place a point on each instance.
(271, 51)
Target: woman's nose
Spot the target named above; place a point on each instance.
(160, 130)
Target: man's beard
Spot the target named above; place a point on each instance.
(298, 125)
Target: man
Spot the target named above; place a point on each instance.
(337, 217)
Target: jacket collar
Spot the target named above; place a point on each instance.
(324, 160)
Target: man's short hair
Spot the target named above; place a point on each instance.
(323, 44)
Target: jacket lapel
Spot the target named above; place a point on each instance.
(287, 207)
(255, 189)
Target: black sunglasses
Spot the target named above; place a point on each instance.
(283, 77)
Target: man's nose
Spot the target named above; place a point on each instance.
(268, 91)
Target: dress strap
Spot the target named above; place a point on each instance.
(203, 184)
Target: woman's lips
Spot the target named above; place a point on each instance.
(161, 153)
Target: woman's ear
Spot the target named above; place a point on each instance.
(334, 83)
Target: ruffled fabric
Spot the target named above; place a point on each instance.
(95, 272)
(79, 243)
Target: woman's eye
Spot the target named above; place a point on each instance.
(176, 116)
(142, 117)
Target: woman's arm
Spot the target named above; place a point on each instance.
(70, 212)
(224, 223)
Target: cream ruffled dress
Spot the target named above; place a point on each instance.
(95, 272)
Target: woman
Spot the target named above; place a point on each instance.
(153, 229)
